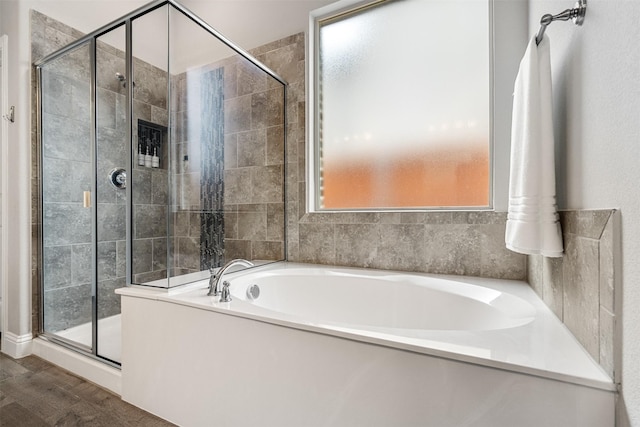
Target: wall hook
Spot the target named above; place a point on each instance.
(12, 114)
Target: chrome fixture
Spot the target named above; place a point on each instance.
(225, 295)
(576, 14)
(214, 280)
(253, 292)
(118, 178)
(122, 79)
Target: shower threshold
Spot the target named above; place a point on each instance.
(109, 333)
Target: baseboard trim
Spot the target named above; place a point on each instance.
(92, 370)
(16, 346)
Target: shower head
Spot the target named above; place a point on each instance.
(122, 79)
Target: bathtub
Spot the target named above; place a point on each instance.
(307, 345)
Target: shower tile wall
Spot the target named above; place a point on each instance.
(254, 163)
(48, 35)
(149, 185)
(253, 213)
(68, 171)
(253, 157)
(579, 287)
(66, 175)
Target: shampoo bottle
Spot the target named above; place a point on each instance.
(140, 155)
(155, 161)
(147, 158)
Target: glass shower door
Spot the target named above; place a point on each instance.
(134, 121)
(112, 163)
(66, 196)
(84, 161)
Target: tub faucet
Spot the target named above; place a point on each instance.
(214, 280)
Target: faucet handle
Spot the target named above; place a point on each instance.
(212, 283)
(225, 295)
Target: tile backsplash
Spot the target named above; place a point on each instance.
(580, 287)
(448, 243)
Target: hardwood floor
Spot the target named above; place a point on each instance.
(36, 393)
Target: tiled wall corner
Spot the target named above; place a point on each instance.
(579, 287)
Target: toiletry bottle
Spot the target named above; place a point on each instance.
(147, 157)
(155, 161)
(140, 155)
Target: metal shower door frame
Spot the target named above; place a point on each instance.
(91, 38)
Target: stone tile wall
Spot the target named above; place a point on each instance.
(67, 173)
(253, 162)
(580, 287)
(470, 243)
(150, 190)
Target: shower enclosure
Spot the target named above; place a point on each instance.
(162, 156)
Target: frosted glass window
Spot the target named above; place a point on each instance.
(404, 107)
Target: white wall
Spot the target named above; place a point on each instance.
(17, 332)
(4, 130)
(596, 71)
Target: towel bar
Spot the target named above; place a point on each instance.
(577, 14)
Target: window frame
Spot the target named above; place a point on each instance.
(499, 129)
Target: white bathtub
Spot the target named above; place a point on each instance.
(338, 346)
(398, 304)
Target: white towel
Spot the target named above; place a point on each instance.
(533, 225)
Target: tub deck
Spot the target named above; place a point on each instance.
(270, 350)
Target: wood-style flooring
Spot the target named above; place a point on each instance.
(36, 393)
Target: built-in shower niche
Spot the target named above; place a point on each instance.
(151, 141)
